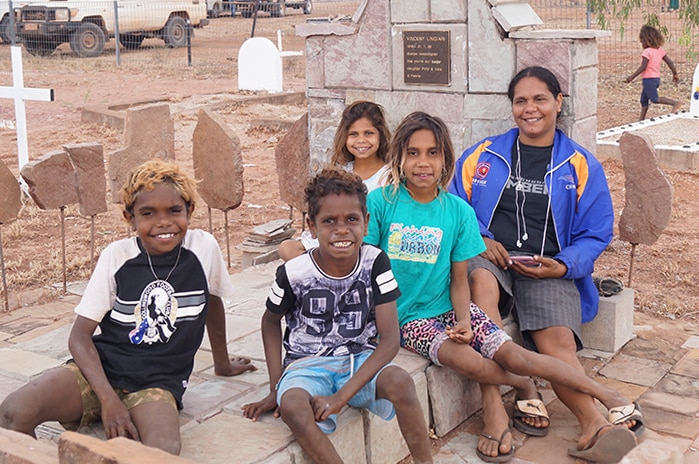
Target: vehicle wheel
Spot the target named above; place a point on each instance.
(215, 10)
(175, 32)
(40, 47)
(307, 7)
(131, 41)
(87, 41)
(278, 10)
(5, 29)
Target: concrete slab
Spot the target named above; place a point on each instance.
(689, 365)
(679, 385)
(692, 342)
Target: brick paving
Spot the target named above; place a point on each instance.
(659, 368)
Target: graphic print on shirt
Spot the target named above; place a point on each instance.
(408, 243)
(155, 314)
(352, 311)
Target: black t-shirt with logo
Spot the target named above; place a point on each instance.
(519, 218)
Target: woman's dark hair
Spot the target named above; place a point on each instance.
(543, 74)
(353, 113)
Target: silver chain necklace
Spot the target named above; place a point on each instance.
(150, 264)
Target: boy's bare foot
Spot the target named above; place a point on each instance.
(235, 366)
(676, 107)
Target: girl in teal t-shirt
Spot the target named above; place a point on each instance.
(428, 235)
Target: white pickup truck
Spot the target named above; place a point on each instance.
(87, 25)
(5, 17)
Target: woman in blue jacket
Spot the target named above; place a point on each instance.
(545, 214)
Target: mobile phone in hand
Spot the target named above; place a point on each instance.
(526, 260)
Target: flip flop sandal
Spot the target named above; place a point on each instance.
(500, 457)
(530, 408)
(608, 448)
(608, 286)
(622, 414)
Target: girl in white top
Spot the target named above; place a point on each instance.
(360, 146)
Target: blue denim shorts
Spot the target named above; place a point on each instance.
(325, 375)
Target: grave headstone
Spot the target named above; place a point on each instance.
(51, 180)
(648, 201)
(293, 159)
(10, 195)
(149, 132)
(217, 162)
(259, 66)
(88, 164)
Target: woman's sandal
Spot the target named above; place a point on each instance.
(501, 457)
(631, 412)
(607, 448)
(532, 409)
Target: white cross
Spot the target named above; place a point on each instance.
(20, 94)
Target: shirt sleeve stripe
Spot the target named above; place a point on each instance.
(386, 282)
(276, 294)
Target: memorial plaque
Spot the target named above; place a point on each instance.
(426, 57)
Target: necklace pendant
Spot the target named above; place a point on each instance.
(155, 314)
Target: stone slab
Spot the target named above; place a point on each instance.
(348, 440)
(292, 156)
(453, 398)
(224, 429)
(51, 180)
(685, 405)
(648, 191)
(18, 448)
(218, 162)
(209, 396)
(88, 161)
(149, 132)
(679, 385)
(24, 365)
(10, 195)
(654, 452)
(692, 342)
(76, 448)
(635, 370)
(384, 440)
(53, 344)
(688, 365)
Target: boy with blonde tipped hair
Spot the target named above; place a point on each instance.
(151, 296)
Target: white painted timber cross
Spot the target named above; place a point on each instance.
(20, 94)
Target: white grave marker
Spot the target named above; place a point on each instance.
(259, 66)
(694, 101)
(20, 94)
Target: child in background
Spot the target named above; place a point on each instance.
(360, 146)
(342, 329)
(428, 235)
(151, 296)
(651, 59)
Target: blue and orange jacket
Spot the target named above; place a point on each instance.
(581, 205)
